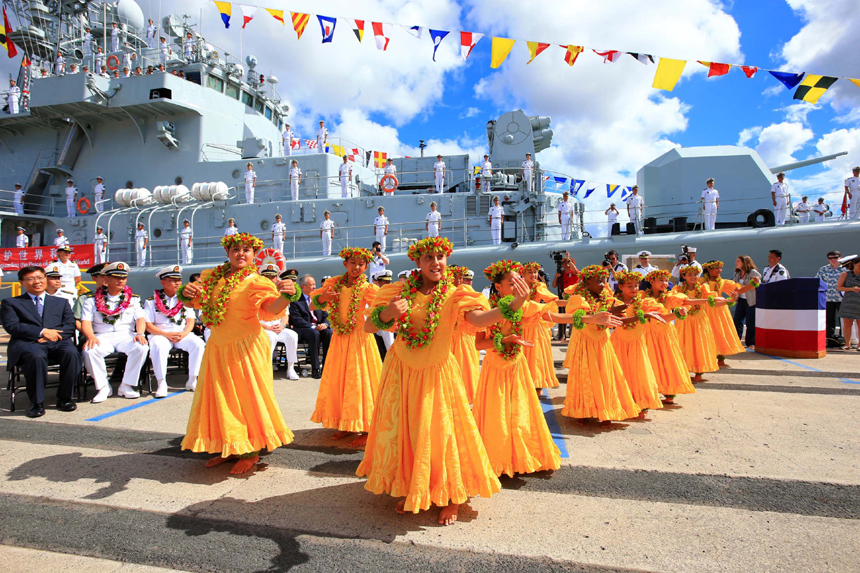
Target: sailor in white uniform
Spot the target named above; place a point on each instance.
(250, 183)
(165, 50)
(322, 137)
(68, 268)
(433, 222)
(71, 197)
(495, 217)
(22, 241)
(53, 274)
(279, 233)
(114, 38)
(852, 189)
(486, 175)
(803, 209)
(711, 203)
(100, 246)
(779, 195)
(644, 267)
(231, 228)
(326, 233)
(381, 279)
(565, 215)
(151, 35)
(141, 239)
(775, 271)
(295, 180)
(59, 65)
(611, 218)
(186, 242)
(277, 330)
(377, 265)
(188, 47)
(390, 169)
(18, 199)
(61, 240)
(88, 43)
(12, 97)
(287, 138)
(635, 209)
(820, 210)
(380, 227)
(99, 194)
(169, 332)
(100, 61)
(105, 333)
(529, 172)
(345, 170)
(439, 173)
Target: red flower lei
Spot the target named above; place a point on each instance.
(661, 298)
(214, 307)
(595, 305)
(415, 338)
(160, 299)
(636, 303)
(511, 351)
(334, 315)
(111, 316)
(697, 294)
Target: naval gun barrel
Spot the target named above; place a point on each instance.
(806, 162)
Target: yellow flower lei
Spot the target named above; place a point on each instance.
(214, 307)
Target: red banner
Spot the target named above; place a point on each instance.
(14, 259)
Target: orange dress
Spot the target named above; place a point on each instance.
(632, 352)
(352, 368)
(696, 336)
(539, 357)
(469, 359)
(664, 350)
(234, 410)
(424, 443)
(596, 387)
(509, 414)
(725, 333)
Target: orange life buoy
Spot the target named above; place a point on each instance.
(115, 60)
(86, 209)
(389, 183)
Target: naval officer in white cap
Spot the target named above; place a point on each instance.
(468, 277)
(71, 197)
(69, 268)
(279, 233)
(852, 191)
(18, 199)
(644, 267)
(100, 246)
(711, 204)
(54, 274)
(22, 241)
(186, 238)
(141, 239)
(779, 195)
(169, 328)
(112, 320)
(99, 194)
(495, 217)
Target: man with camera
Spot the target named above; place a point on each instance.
(566, 275)
(687, 257)
(377, 265)
(611, 262)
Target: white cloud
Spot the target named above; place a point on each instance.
(748, 135)
(470, 112)
(829, 180)
(778, 142)
(797, 112)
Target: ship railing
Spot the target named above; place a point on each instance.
(332, 142)
(414, 179)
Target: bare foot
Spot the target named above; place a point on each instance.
(605, 423)
(340, 435)
(448, 515)
(399, 507)
(722, 365)
(218, 460)
(642, 414)
(697, 378)
(244, 465)
(359, 442)
(668, 400)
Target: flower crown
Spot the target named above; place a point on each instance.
(501, 268)
(627, 277)
(430, 245)
(712, 265)
(347, 252)
(592, 271)
(658, 274)
(531, 267)
(686, 269)
(242, 239)
(457, 270)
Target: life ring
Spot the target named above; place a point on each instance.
(266, 257)
(115, 59)
(761, 218)
(389, 183)
(86, 202)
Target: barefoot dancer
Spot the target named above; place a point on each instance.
(424, 443)
(539, 357)
(695, 333)
(725, 334)
(664, 350)
(351, 375)
(628, 340)
(508, 413)
(464, 349)
(595, 386)
(234, 413)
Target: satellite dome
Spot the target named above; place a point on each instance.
(129, 13)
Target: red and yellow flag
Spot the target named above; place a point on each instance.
(6, 29)
(300, 22)
(380, 159)
(277, 15)
(715, 69)
(535, 48)
(571, 54)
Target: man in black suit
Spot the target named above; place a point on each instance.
(311, 326)
(42, 329)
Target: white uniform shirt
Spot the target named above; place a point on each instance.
(69, 272)
(778, 189)
(139, 237)
(88, 44)
(565, 209)
(322, 134)
(486, 169)
(439, 167)
(645, 270)
(774, 274)
(376, 265)
(12, 98)
(528, 168)
(21, 241)
(344, 170)
(125, 321)
(710, 195)
(230, 231)
(114, 38)
(295, 173)
(635, 202)
(61, 241)
(328, 227)
(380, 223)
(71, 192)
(434, 218)
(803, 207)
(496, 214)
(151, 314)
(185, 235)
(99, 190)
(612, 217)
(99, 241)
(189, 47)
(250, 176)
(819, 209)
(151, 31)
(390, 169)
(287, 138)
(279, 231)
(853, 184)
(68, 295)
(165, 51)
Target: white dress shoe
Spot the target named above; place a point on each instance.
(102, 395)
(127, 392)
(291, 373)
(161, 392)
(191, 385)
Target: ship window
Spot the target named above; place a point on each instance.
(268, 113)
(216, 84)
(233, 91)
(178, 180)
(259, 106)
(193, 77)
(236, 174)
(247, 99)
(156, 233)
(265, 225)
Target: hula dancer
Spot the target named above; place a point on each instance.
(664, 350)
(351, 375)
(508, 413)
(695, 333)
(539, 357)
(234, 413)
(596, 387)
(464, 349)
(725, 334)
(628, 340)
(424, 444)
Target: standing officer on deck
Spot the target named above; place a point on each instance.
(169, 328)
(433, 221)
(22, 241)
(803, 209)
(287, 138)
(114, 37)
(380, 227)
(107, 333)
(439, 173)
(711, 203)
(188, 47)
(820, 210)
(186, 239)
(495, 218)
(529, 172)
(326, 233)
(852, 190)
(151, 34)
(322, 137)
(12, 97)
(100, 246)
(99, 194)
(71, 197)
(565, 212)
(775, 271)
(141, 239)
(779, 194)
(635, 209)
(295, 180)
(18, 199)
(250, 183)
(345, 170)
(279, 233)
(61, 240)
(486, 174)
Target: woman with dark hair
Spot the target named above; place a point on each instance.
(746, 273)
(849, 312)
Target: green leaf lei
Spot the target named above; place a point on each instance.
(636, 303)
(678, 315)
(595, 304)
(413, 338)
(577, 319)
(711, 301)
(214, 307)
(515, 318)
(377, 322)
(294, 297)
(334, 313)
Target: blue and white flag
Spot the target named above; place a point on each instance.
(416, 31)
(327, 25)
(610, 190)
(576, 185)
(437, 36)
(589, 192)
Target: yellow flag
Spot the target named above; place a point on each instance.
(668, 73)
(535, 48)
(855, 82)
(277, 15)
(338, 150)
(501, 48)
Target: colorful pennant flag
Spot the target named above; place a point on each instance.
(571, 53)
(416, 31)
(437, 36)
(358, 29)
(380, 159)
(277, 15)
(535, 48)
(715, 69)
(749, 70)
(311, 143)
(247, 13)
(353, 154)
(813, 87)
(501, 48)
(855, 82)
(668, 73)
(300, 22)
(625, 192)
(225, 8)
(4, 38)
(576, 185)
(643, 58)
(327, 25)
(589, 192)
(610, 190)
(787, 79)
(379, 35)
(296, 143)
(467, 43)
(338, 150)
(609, 56)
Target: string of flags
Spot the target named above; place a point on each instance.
(810, 87)
(560, 184)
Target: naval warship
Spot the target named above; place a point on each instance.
(174, 146)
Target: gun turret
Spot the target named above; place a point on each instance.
(514, 134)
(806, 162)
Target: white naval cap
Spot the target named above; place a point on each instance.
(118, 269)
(847, 259)
(65, 248)
(269, 270)
(185, 221)
(326, 277)
(18, 185)
(170, 272)
(644, 254)
(20, 229)
(53, 270)
(383, 275)
(402, 274)
(100, 178)
(60, 231)
(470, 274)
(691, 249)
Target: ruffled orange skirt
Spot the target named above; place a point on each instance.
(539, 357)
(725, 333)
(469, 359)
(667, 359)
(697, 343)
(632, 353)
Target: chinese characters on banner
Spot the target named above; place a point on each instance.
(14, 259)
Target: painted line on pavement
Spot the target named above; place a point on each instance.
(134, 407)
(843, 380)
(552, 423)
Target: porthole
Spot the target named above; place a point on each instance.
(129, 184)
(178, 180)
(236, 173)
(265, 225)
(156, 232)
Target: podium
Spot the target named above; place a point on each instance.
(790, 318)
